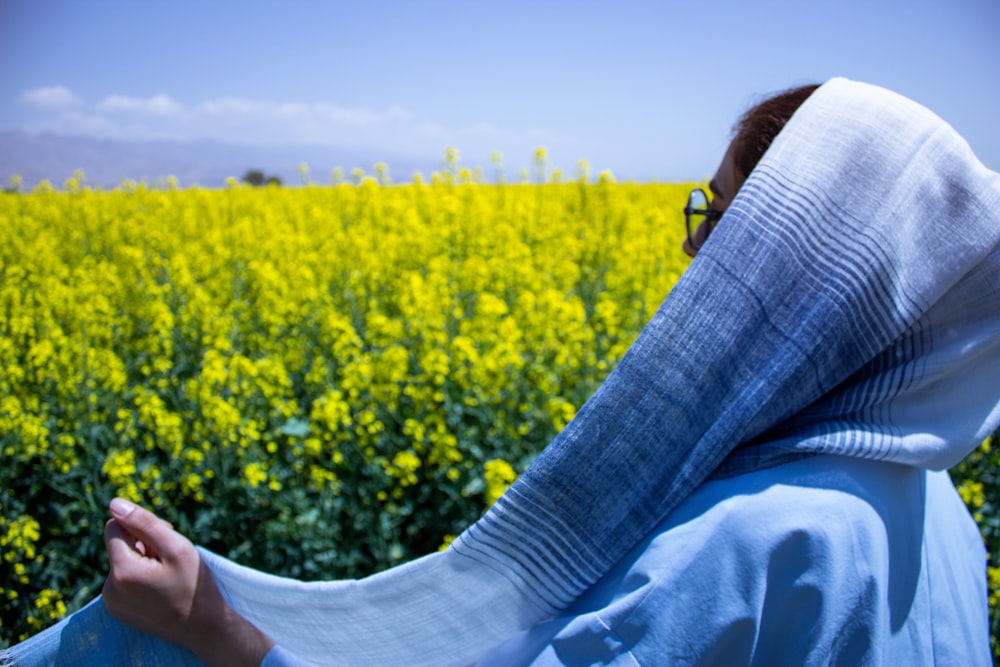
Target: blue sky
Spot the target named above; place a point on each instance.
(645, 89)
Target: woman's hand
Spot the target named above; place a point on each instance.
(158, 584)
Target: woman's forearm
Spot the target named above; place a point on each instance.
(231, 641)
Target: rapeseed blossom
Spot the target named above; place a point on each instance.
(498, 475)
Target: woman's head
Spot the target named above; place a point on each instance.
(759, 125)
(752, 136)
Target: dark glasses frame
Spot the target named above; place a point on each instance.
(699, 215)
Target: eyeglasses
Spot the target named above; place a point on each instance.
(697, 212)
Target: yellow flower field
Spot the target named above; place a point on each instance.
(319, 382)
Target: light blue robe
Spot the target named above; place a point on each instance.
(826, 561)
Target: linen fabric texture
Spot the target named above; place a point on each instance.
(835, 342)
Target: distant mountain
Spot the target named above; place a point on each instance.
(36, 157)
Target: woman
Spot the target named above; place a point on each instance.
(753, 484)
(753, 135)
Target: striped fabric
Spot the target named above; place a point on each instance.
(853, 279)
(848, 304)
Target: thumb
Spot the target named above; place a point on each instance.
(156, 535)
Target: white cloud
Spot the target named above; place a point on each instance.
(228, 105)
(101, 126)
(157, 105)
(311, 123)
(50, 97)
(316, 112)
(363, 117)
(392, 130)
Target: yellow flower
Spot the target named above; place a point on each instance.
(255, 474)
(972, 493)
(51, 604)
(119, 466)
(313, 446)
(404, 467)
(20, 538)
(498, 476)
(993, 575)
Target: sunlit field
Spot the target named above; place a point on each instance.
(320, 381)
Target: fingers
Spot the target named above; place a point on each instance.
(148, 534)
(117, 539)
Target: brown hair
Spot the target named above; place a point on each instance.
(759, 125)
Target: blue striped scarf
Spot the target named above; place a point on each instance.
(848, 303)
